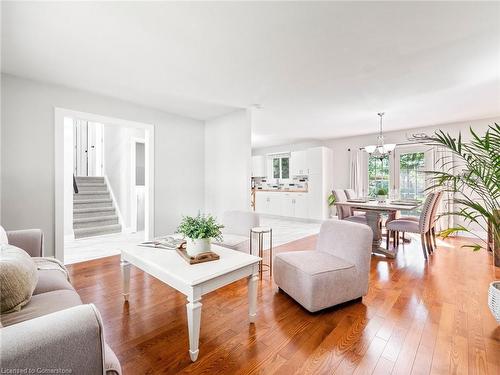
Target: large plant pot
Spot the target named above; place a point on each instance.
(494, 299)
(197, 246)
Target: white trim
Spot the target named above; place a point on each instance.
(133, 188)
(115, 203)
(59, 115)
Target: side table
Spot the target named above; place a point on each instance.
(260, 231)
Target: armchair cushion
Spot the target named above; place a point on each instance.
(235, 242)
(51, 280)
(18, 278)
(316, 279)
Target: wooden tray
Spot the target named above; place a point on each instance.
(200, 258)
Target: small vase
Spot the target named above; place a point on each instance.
(196, 246)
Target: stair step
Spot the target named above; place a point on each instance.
(84, 187)
(97, 231)
(86, 180)
(85, 195)
(99, 221)
(92, 203)
(94, 212)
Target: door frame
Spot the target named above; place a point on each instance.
(59, 181)
(133, 186)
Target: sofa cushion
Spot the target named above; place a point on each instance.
(18, 278)
(3, 236)
(316, 279)
(235, 242)
(43, 304)
(51, 280)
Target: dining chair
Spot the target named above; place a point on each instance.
(432, 231)
(344, 212)
(350, 193)
(422, 226)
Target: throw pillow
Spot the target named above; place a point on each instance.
(18, 278)
(3, 236)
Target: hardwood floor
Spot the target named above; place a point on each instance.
(418, 318)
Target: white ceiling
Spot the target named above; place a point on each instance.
(319, 70)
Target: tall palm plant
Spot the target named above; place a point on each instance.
(473, 176)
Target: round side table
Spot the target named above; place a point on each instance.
(260, 231)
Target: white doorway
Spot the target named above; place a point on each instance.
(82, 152)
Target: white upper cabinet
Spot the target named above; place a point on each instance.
(298, 163)
(259, 168)
(315, 158)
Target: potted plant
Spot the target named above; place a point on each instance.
(331, 204)
(472, 177)
(381, 195)
(198, 232)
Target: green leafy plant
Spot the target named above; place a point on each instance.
(331, 199)
(473, 176)
(201, 226)
(381, 191)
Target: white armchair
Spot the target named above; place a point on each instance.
(336, 272)
(236, 231)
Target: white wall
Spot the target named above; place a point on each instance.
(27, 159)
(228, 161)
(117, 166)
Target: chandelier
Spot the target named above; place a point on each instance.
(381, 149)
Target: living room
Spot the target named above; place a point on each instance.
(320, 187)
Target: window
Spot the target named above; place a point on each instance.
(411, 175)
(281, 167)
(378, 174)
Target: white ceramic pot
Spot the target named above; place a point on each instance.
(197, 246)
(381, 198)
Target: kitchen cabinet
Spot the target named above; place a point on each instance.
(259, 167)
(315, 160)
(298, 163)
(282, 203)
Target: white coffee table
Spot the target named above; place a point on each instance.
(193, 280)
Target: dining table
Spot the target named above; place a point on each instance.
(374, 211)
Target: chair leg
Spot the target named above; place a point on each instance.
(403, 237)
(434, 237)
(422, 239)
(397, 238)
(387, 236)
(430, 248)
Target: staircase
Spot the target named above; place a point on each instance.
(93, 210)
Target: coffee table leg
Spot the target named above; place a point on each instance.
(194, 320)
(125, 267)
(252, 296)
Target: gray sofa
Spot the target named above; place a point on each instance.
(54, 330)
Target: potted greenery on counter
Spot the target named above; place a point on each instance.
(199, 232)
(381, 195)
